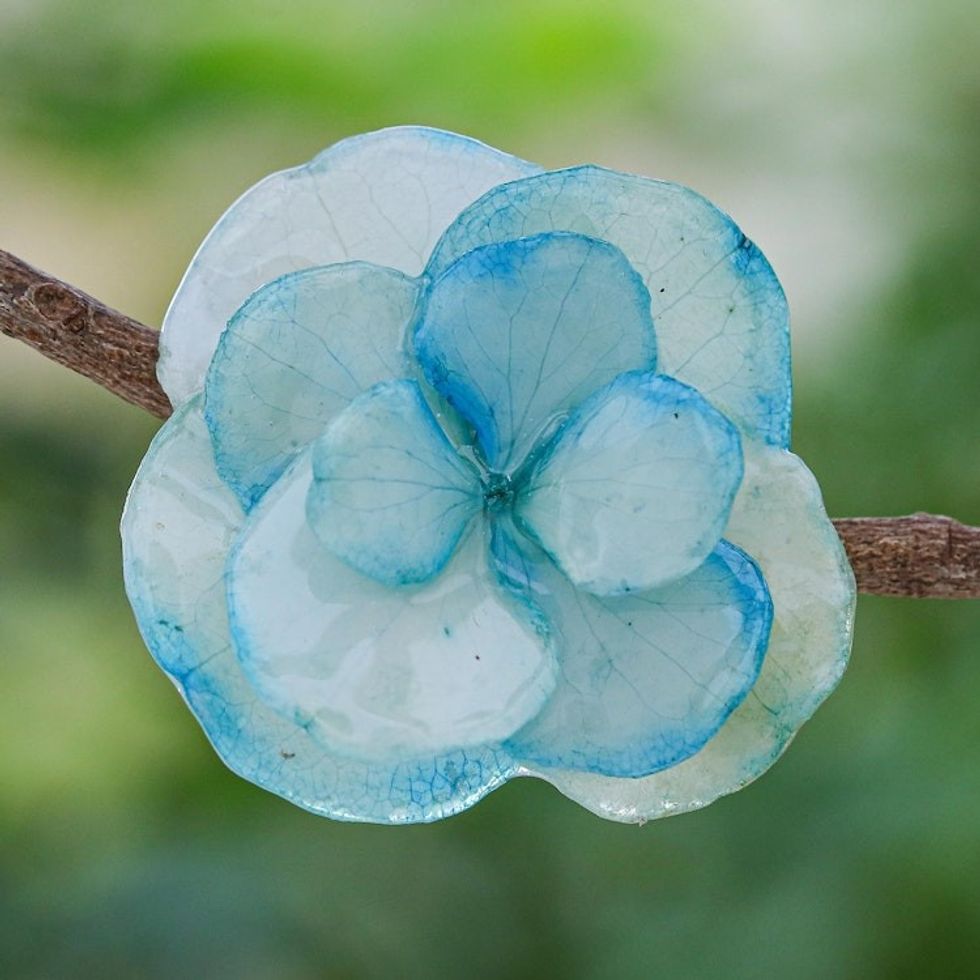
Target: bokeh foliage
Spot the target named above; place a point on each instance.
(127, 850)
(133, 72)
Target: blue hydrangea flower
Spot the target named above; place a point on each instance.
(479, 471)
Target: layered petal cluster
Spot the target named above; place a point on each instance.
(479, 471)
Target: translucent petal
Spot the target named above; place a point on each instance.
(293, 356)
(635, 489)
(514, 335)
(383, 197)
(646, 678)
(719, 311)
(390, 495)
(778, 517)
(179, 522)
(376, 672)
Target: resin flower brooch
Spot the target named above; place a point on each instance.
(479, 471)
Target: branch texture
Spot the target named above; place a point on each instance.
(922, 555)
(72, 328)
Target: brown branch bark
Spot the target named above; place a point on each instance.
(922, 555)
(72, 328)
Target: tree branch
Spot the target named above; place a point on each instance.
(922, 555)
(75, 330)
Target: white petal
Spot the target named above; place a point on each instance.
(718, 310)
(377, 672)
(635, 489)
(779, 519)
(383, 197)
(179, 524)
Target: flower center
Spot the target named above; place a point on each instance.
(498, 492)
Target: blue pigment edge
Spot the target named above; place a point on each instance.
(753, 592)
(324, 160)
(507, 766)
(168, 644)
(320, 482)
(775, 405)
(249, 493)
(540, 456)
(427, 348)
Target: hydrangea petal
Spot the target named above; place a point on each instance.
(635, 489)
(382, 197)
(177, 527)
(646, 678)
(293, 356)
(515, 334)
(371, 671)
(179, 523)
(779, 518)
(720, 314)
(390, 494)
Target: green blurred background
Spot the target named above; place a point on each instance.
(845, 139)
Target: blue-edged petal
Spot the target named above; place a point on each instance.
(382, 197)
(179, 523)
(779, 518)
(373, 672)
(720, 314)
(514, 335)
(635, 489)
(293, 356)
(390, 495)
(646, 678)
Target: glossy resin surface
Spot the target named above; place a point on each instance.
(481, 471)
